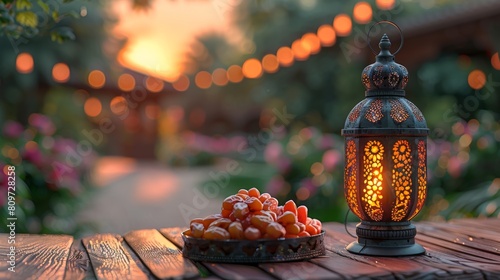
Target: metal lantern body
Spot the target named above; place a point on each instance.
(385, 180)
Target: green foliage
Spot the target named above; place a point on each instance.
(26, 18)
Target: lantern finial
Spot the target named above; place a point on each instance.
(384, 45)
(385, 76)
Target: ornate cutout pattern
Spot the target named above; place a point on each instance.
(374, 112)
(377, 76)
(404, 81)
(422, 177)
(372, 175)
(401, 179)
(351, 173)
(354, 115)
(398, 112)
(416, 112)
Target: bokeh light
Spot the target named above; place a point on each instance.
(299, 51)
(342, 24)
(317, 168)
(24, 63)
(326, 35)
(285, 56)
(92, 107)
(118, 105)
(252, 68)
(219, 77)
(152, 111)
(234, 74)
(476, 79)
(302, 193)
(96, 79)
(154, 84)
(203, 79)
(270, 63)
(60, 72)
(362, 12)
(385, 4)
(311, 42)
(495, 61)
(126, 82)
(182, 83)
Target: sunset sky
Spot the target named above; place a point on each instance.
(160, 36)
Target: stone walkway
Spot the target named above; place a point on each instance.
(135, 195)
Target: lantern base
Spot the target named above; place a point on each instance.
(386, 239)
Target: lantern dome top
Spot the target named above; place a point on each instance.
(385, 76)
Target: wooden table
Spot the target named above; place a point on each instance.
(460, 249)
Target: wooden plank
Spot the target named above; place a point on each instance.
(491, 224)
(344, 266)
(174, 235)
(160, 255)
(464, 240)
(426, 266)
(224, 270)
(472, 232)
(299, 270)
(78, 266)
(36, 256)
(490, 269)
(111, 259)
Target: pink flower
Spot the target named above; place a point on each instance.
(309, 185)
(454, 167)
(42, 123)
(330, 159)
(326, 142)
(3, 186)
(12, 129)
(34, 156)
(275, 185)
(283, 164)
(273, 152)
(61, 145)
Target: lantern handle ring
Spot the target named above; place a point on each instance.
(388, 22)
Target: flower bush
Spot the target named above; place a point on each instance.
(306, 167)
(464, 176)
(50, 174)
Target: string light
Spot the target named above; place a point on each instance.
(300, 49)
(362, 12)
(96, 79)
(285, 56)
(126, 82)
(252, 68)
(24, 63)
(342, 24)
(181, 84)
(219, 77)
(326, 35)
(60, 72)
(476, 79)
(203, 79)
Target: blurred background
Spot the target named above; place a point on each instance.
(130, 114)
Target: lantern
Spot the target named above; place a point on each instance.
(385, 180)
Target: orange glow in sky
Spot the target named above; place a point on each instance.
(159, 37)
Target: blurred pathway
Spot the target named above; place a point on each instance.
(134, 194)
